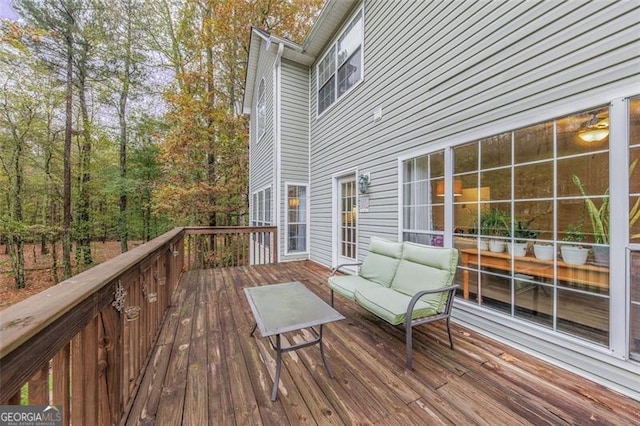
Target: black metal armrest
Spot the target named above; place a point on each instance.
(445, 315)
(334, 270)
(420, 294)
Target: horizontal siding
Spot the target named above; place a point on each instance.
(441, 70)
(294, 134)
(261, 152)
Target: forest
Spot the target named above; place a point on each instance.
(120, 119)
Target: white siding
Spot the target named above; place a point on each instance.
(262, 152)
(294, 134)
(455, 72)
(444, 70)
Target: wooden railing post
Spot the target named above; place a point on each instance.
(68, 343)
(84, 343)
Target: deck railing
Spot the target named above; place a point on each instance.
(208, 247)
(83, 344)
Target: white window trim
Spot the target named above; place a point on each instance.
(618, 346)
(261, 208)
(333, 43)
(448, 197)
(286, 218)
(261, 132)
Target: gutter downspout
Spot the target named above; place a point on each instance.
(278, 145)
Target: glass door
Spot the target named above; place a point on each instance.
(347, 219)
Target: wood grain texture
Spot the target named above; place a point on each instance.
(224, 376)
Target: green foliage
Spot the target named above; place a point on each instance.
(574, 233)
(521, 231)
(162, 81)
(494, 222)
(599, 216)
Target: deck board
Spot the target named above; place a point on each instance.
(207, 369)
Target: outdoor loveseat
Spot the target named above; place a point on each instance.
(402, 282)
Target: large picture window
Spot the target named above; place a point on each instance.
(296, 218)
(531, 222)
(341, 67)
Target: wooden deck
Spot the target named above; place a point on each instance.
(205, 369)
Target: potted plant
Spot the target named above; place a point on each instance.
(574, 254)
(543, 251)
(599, 217)
(494, 223)
(521, 235)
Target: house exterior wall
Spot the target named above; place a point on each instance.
(444, 70)
(294, 134)
(453, 72)
(262, 155)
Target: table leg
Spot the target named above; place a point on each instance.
(324, 360)
(276, 379)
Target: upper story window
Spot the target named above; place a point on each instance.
(262, 109)
(341, 67)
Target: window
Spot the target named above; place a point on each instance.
(262, 214)
(341, 67)
(423, 199)
(296, 218)
(261, 210)
(526, 202)
(261, 106)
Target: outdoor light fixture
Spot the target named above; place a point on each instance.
(363, 183)
(595, 129)
(457, 188)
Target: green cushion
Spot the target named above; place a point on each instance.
(346, 285)
(391, 305)
(425, 268)
(381, 261)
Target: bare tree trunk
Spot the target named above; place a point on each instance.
(17, 255)
(211, 157)
(122, 117)
(66, 219)
(83, 226)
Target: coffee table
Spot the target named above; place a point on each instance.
(282, 308)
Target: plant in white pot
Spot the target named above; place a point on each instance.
(599, 217)
(573, 253)
(543, 251)
(521, 234)
(495, 223)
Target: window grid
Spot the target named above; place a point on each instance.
(537, 182)
(341, 68)
(296, 218)
(348, 216)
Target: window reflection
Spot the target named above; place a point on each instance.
(532, 195)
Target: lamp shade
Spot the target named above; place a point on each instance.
(457, 188)
(294, 202)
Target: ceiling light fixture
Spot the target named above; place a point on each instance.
(595, 129)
